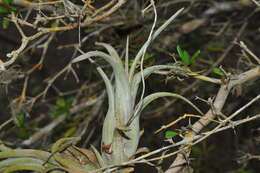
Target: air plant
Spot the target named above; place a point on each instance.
(121, 131)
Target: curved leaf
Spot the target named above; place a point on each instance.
(134, 135)
(26, 153)
(28, 166)
(146, 44)
(62, 143)
(148, 99)
(123, 104)
(21, 161)
(109, 124)
(99, 157)
(111, 51)
(148, 71)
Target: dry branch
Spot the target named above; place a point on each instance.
(218, 104)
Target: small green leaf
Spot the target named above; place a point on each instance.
(184, 55)
(179, 50)
(20, 120)
(194, 56)
(5, 23)
(186, 59)
(170, 134)
(61, 102)
(3, 10)
(218, 71)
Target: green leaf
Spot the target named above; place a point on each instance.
(148, 56)
(69, 102)
(8, 1)
(184, 55)
(3, 10)
(179, 50)
(186, 59)
(5, 23)
(20, 120)
(194, 56)
(170, 134)
(62, 107)
(61, 102)
(218, 71)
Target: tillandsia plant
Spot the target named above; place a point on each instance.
(121, 131)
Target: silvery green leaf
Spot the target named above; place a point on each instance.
(127, 56)
(101, 162)
(91, 54)
(111, 51)
(148, 71)
(109, 124)
(146, 44)
(148, 99)
(134, 135)
(123, 104)
(118, 156)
